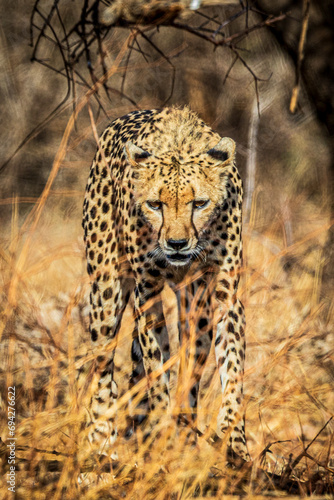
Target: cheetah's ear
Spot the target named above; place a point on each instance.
(136, 156)
(224, 150)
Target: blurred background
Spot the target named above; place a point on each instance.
(257, 72)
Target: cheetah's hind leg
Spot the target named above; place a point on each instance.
(230, 355)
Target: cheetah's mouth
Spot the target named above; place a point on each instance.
(178, 258)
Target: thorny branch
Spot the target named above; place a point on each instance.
(76, 35)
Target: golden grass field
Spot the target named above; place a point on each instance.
(44, 329)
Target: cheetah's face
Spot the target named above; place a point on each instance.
(180, 198)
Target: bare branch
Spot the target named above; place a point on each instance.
(80, 42)
(301, 46)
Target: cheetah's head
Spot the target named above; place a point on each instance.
(181, 197)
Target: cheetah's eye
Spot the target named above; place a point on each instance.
(200, 203)
(154, 205)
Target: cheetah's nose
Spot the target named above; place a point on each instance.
(177, 244)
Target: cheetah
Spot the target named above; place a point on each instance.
(163, 205)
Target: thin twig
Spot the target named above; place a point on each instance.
(301, 46)
(290, 468)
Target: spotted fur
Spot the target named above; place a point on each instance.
(163, 205)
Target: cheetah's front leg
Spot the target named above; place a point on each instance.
(230, 355)
(109, 297)
(153, 341)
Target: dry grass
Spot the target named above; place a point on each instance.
(288, 379)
